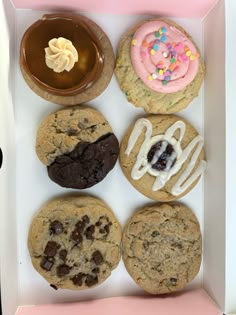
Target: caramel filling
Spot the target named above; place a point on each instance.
(72, 27)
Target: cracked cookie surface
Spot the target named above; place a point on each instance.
(74, 242)
(162, 247)
(78, 146)
(159, 126)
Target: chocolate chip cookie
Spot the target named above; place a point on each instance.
(162, 247)
(162, 156)
(78, 147)
(74, 242)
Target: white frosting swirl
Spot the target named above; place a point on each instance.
(60, 55)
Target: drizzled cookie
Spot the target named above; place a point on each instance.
(162, 157)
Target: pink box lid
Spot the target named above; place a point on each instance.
(180, 8)
(188, 303)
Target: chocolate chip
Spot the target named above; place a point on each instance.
(107, 228)
(80, 225)
(155, 233)
(96, 270)
(47, 263)
(85, 219)
(51, 249)
(89, 232)
(56, 227)
(63, 270)
(63, 254)
(78, 279)
(76, 236)
(98, 223)
(173, 281)
(91, 280)
(97, 257)
(102, 231)
(53, 286)
(72, 132)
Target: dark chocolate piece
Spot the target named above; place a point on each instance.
(89, 232)
(63, 254)
(51, 249)
(53, 286)
(155, 233)
(63, 270)
(47, 263)
(76, 236)
(56, 227)
(85, 219)
(78, 279)
(87, 164)
(91, 280)
(173, 281)
(97, 257)
(96, 270)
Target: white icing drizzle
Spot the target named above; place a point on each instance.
(142, 166)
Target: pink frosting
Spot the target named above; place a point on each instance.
(163, 57)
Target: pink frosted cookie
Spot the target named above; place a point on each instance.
(159, 67)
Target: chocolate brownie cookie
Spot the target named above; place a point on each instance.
(78, 147)
(159, 67)
(162, 156)
(162, 247)
(74, 242)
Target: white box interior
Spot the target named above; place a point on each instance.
(26, 187)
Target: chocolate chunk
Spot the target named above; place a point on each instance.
(47, 263)
(97, 257)
(107, 228)
(72, 132)
(89, 232)
(56, 227)
(91, 280)
(155, 233)
(76, 236)
(87, 164)
(85, 219)
(162, 150)
(51, 249)
(53, 286)
(80, 225)
(99, 223)
(96, 270)
(173, 281)
(78, 279)
(63, 270)
(102, 231)
(63, 254)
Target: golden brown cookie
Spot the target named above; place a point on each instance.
(66, 58)
(169, 63)
(162, 247)
(162, 156)
(74, 242)
(78, 147)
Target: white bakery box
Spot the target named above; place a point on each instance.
(24, 185)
